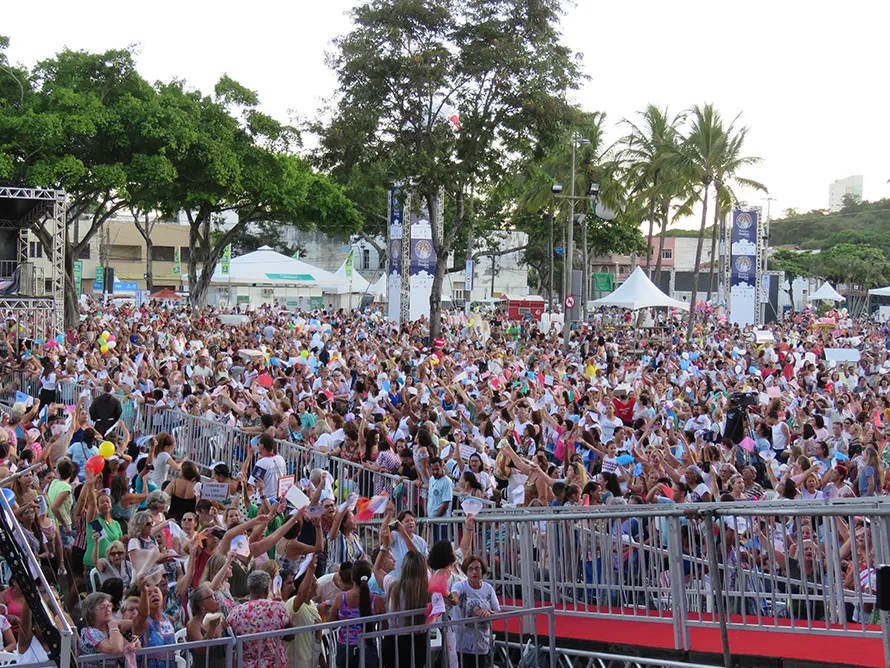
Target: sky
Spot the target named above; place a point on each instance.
(808, 79)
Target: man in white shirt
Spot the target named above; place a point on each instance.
(269, 467)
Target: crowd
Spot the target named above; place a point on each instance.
(490, 412)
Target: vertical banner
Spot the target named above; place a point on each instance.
(99, 281)
(423, 264)
(226, 260)
(743, 268)
(177, 261)
(468, 279)
(78, 276)
(349, 261)
(396, 232)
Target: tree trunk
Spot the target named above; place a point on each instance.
(713, 274)
(72, 312)
(149, 277)
(552, 264)
(194, 226)
(649, 238)
(665, 212)
(698, 249)
(442, 244)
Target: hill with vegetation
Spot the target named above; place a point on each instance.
(858, 223)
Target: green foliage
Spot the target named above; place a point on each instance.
(408, 65)
(859, 223)
(847, 263)
(91, 125)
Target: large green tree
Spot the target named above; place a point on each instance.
(85, 123)
(230, 157)
(409, 65)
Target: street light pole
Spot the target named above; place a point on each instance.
(569, 257)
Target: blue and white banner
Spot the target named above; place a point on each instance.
(396, 234)
(743, 270)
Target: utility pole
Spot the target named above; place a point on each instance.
(569, 250)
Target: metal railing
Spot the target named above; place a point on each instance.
(796, 568)
(306, 646)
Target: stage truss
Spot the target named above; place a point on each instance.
(38, 317)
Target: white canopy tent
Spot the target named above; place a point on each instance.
(360, 284)
(827, 293)
(265, 266)
(639, 292)
(880, 292)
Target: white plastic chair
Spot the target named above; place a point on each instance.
(183, 655)
(8, 658)
(95, 582)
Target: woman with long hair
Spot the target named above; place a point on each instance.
(356, 603)
(871, 475)
(408, 592)
(182, 491)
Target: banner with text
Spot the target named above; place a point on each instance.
(743, 271)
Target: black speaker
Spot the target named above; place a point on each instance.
(109, 280)
(883, 588)
(735, 425)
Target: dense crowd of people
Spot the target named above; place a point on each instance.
(489, 412)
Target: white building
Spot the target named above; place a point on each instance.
(852, 185)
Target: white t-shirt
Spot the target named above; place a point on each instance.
(269, 469)
(162, 466)
(608, 426)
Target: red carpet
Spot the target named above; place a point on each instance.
(847, 649)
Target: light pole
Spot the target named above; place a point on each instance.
(569, 250)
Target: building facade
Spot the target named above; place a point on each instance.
(852, 185)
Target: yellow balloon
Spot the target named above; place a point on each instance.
(472, 322)
(106, 449)
(104, 349)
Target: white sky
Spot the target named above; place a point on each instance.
(810, 79)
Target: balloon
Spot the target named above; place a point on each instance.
(60, 338)
(9, 495)
(103, 348)
(112, 338)
(471, 322)
(106, 334)
(101, 341)
(50, 344)
(304, 354)
(111, 345)
(273, 361)
(95, 464)
(434, 360)
(623, 460)
(106, 449)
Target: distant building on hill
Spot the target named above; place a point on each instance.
(852, 185)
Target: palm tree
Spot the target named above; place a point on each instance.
(725, 175)
(646, 151)
(700, 156)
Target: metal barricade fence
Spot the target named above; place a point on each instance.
(797, 567)
(430, 644)
(197, 654)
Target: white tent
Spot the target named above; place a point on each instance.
(880, 292)
(827, 293)
(264, 266)
(639, 292)
(358, 283)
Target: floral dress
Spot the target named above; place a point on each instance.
(256, 617)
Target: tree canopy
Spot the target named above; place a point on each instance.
(92, 125)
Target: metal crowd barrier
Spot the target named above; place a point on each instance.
(798, 568)
(308, 646)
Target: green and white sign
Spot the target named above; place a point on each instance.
(226, 260)
(177, 261)
(78, 275)
(290, 277)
